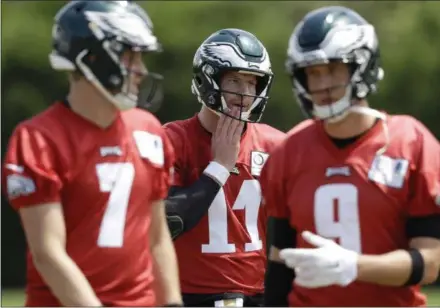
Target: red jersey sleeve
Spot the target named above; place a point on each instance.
(166, 173)
(425, 175)
(177, 144)
(30, 174)
(272, 186)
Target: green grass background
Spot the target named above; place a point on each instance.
(16, 297)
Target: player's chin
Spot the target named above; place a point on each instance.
(231, 114)
(133, 96)
(134, 90)
(327, 100)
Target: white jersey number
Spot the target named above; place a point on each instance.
(248, 199)
(342, 200)
(116, 178)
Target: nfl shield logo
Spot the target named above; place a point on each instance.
(258, 159)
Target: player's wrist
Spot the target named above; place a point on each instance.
(218, 172)
(350, 263)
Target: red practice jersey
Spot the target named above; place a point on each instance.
(357, 196)
(225, 252)
(106, 181)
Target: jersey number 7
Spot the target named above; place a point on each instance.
(116, 178)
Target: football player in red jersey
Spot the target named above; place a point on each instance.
(88, 175)
(354, 193)
(214, 204)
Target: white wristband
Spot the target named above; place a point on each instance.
(218, 172)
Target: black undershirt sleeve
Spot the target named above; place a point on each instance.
(423, 226)
(279, 278)
(186, 206)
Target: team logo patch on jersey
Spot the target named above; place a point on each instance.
(258, 159)
(19, 185)
(388, 171)
(107, 151)
(331, 171)
(150, 146)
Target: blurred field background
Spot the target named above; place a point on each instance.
(408, 33)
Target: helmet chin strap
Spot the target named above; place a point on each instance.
(336, 111)
(244, 115)
(125, 100)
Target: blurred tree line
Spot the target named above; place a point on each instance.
(408, 33)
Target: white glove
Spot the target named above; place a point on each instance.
(328, 264)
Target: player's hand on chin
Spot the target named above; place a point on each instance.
(226, 139)
(326, 264)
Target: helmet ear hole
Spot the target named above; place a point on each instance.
(91, 58)
(198, 80)
(352, 68)
(301, 77)
(80, 8)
